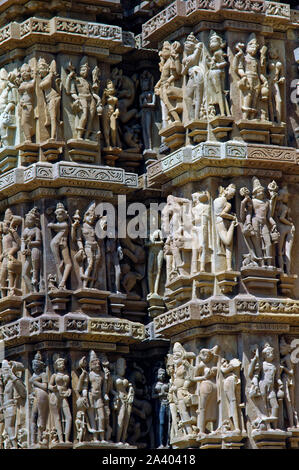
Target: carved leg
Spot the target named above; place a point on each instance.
(68, 420)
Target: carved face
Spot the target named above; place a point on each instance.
(84, 71)
(60, 215)
(30, 220)
(260, 193)
(95, 365)
(25, 74)
(161, 375)
(252, 48)
(60, 365)
(90, 218)
(43, 69)
(205, 355)
(37, 366)
(268, 354)
(273, 53)
(230, 192)
(165, 52)
(215, 43)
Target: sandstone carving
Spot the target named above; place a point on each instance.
(31, 247)
(10, 245)
(8, 104)
(40, 401)
(26, 90)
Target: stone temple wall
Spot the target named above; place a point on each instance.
(185, 334)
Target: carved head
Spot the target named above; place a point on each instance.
(26, 73)
(61, 213)
(32, 218)
(252, 45)
(90, 215)
(165, 53)
(244, 192)
(110, 89)
(94, 362)
(42, 67)
(190, 43)
(272, 51)
(205, 355)
(84, 67)
(215, 41)
(228, 192)
(37, 364)
(161, 374)
(60, 364)
(201, 196)
(268, 352)
(146, 81)
(258, 190)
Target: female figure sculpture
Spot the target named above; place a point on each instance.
(31, 247)
(123, 393)
(225, 221)
(8, 103)
(288, 381)
(40, 408)
(286, 229)
(110, 115)
(26, 92)
(216, 93)
(59, 245)
(10, 245)
(201, 231)
(59, 406)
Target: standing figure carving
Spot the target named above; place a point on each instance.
(86, 101)
(51, 86)
(155, 262)
(10, 244)
(250, 67)
(216, 93)
(123, 397)
(59, 386)
(193, 72)
(31, 247)
(276, 81)
(232, 391)
(160, 393)
(40, 406)
(26, 102)
(147, 103)
(286, 229)
(201, 232)
(8, 103)
(14, 395)
(225, 222)
(289, 383)
(168, 87)
(60, 245)
(90, 253)
(110, 115)
(206, 375)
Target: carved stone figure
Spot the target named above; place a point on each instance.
(110, 115)
(31, 247)
(201, 231)
(125, 89)
(167, 87)
(232, 390)
(253, 84)
(160, 393)
(276, 80)
(108, 387)
(193, 72)
(26, 102)
(8, 103)
(51, 86)
(267, 387)
(123, 397)
(216, 93)
(59, 404)
(40, 406)
(225, 222)
(205, 374)
(182, 387)
(155, 262)
(91, 385)
(10, 244)
(60, 246)
(286, 229)
(114, 254)
(14, 395)
(86, 101)
(288, 383)
(90, 253)
(147, 103)
(136, 254)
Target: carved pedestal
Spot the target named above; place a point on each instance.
(233, 441)
(10, 308)
(51, 149)
(174, 135)
(202, 284)
(255, 131)
(157, 305)
(34, 303)
(8, 158)
(184, 442)
(180, 289)
(116, 302)
(260, 280)
(83, 150)
(59, 299)
(222, 126)
(210, 441)
(227, 280)
(273, 439)
(197, 131)
(130, 160)
(149, 156)
(287, 283)
(60, 445)
(135, 309)
(277, 134)
(29, 153)
(111, 154)
(92, 301)
(294, 438)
